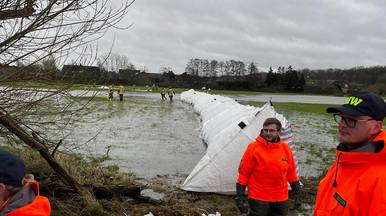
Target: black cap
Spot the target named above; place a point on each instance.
(362, 103)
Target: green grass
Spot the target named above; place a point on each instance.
(309, 108)
(299, 107)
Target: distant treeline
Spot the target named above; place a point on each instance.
(213, 74)
(370, 78)
(327, 81)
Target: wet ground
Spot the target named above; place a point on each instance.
(143, 134)
(152, 137)
(312, 99)
(315, 137)
(159, 141)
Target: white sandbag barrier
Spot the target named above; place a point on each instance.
(227, 128)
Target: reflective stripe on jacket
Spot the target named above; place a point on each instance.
(266, 168)
(360, 187)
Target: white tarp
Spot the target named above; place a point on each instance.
(227, 128)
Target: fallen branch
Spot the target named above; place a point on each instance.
(14, 127)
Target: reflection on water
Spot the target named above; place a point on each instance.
(145, 135)
(153, 137)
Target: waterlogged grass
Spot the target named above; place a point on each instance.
(86, 170)
(129, 88)
(319, 109)
(309, 108)
(298, 107)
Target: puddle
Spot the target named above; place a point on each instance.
(152, 195)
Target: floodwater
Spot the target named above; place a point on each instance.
(152, 137)
(144, 134)
(315, 138)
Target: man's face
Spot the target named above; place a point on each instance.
(355, 130)
(270, 132)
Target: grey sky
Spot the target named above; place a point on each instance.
(301, 33)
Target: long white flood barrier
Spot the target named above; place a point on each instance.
(227, 129)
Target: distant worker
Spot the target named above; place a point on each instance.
(120, 92)
(111, 93)
(19, 194)
(171, 93)
(265, 169)
(163, 94)
(355, 184)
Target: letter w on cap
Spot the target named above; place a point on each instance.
(354, 101)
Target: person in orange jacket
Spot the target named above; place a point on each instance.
(265, 169)
(356, 182)
(19, 196)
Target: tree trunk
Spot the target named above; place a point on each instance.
(15, 128)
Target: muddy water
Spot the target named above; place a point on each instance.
(153, 137)
(144, 134)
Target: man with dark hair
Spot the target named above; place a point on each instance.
(19, 196)
(266, 168)
(356, 182)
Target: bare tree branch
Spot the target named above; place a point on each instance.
(31, 31)
(31, 140)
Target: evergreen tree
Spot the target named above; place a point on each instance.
(302, 82)
(270, 79)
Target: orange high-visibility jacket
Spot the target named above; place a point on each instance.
(360, 187)
(266, 168)
(40, 206)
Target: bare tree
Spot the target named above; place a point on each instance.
(47, 31)
(33, 29)
(113, 62)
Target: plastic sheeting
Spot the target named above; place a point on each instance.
(227, 128)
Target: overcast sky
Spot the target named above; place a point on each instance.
(302, 33)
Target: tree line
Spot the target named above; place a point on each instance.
(214, 68)
(288, 79)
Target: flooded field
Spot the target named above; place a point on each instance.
(143, 134)
(159, 141)
(152, 137)
(316, 139)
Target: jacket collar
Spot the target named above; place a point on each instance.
(365, 157)
(22, 198)
(267, 144)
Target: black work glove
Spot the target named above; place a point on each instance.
(241, 206)
(298, 201)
